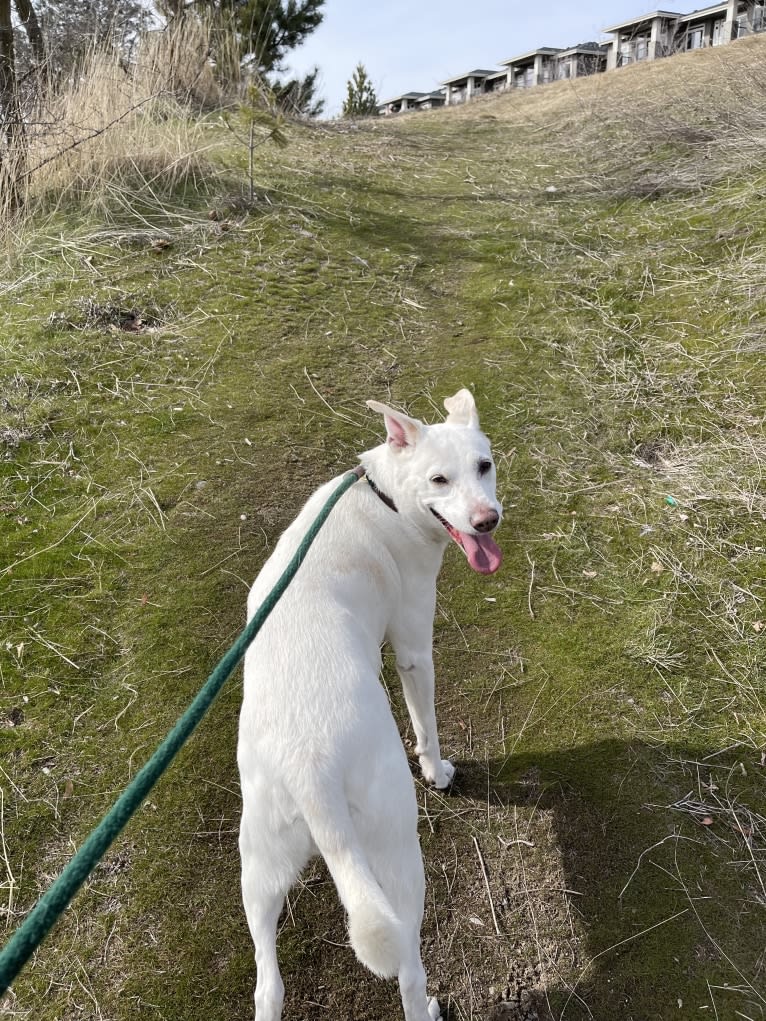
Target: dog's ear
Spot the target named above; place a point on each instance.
(462, 409)
(402, 430)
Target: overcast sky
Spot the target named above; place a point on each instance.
(415, 44)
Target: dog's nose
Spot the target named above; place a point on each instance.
(485, 521)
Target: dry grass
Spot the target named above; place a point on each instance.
(630, 115)
(124, 134)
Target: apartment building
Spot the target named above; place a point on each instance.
(661, 33)
(650, 36)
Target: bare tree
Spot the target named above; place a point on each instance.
(70, 28)
(28, 18)
(10, 113)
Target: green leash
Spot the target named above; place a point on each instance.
(54, 901)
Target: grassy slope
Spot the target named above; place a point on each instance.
(611, 330)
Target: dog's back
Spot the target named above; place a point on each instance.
(319, 749)
(323, 768)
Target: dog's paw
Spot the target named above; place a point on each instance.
(448, 769)
(441, 776)
(434, 1010)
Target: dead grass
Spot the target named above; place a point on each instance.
(659, 128)
(128, 135)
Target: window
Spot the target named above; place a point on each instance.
(589, 65)
(642, 47)
(695, 39)
(751, 20)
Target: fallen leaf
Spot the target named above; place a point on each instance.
(590, 574)
(758, 626)
(657, 567)
(68, 789)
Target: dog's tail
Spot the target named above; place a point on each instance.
(374, 930)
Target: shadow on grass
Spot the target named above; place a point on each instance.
(662, 855)
(624, 878)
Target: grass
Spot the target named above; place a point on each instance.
(121, 134)
(175, 384)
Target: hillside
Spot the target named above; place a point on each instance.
(178, 375)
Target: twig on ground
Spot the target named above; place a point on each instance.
(486, 883)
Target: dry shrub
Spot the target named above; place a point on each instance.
(137, 126)
(194, 59)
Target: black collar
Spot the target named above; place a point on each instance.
(382, 496)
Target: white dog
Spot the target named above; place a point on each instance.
(322, 765)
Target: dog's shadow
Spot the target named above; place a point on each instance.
(644, 853)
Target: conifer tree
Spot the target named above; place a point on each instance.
(268, 30)
(361, 100)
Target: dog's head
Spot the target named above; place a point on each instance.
(443, 477)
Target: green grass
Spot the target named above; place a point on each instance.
(167, 407)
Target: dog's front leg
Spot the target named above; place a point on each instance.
(416, 670)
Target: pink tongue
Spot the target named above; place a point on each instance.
(484, 555)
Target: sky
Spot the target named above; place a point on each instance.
(413, 45)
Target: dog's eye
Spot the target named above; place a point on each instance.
(484, 467)
(439, 480)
